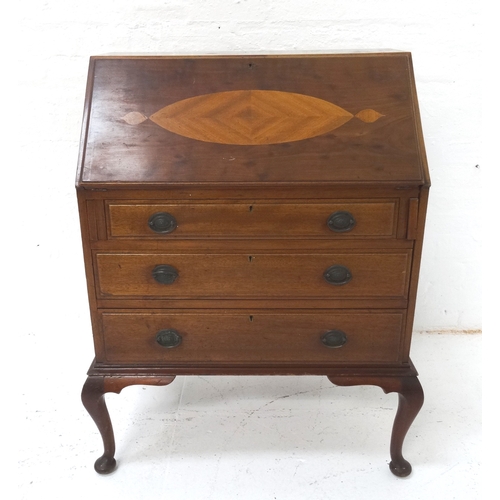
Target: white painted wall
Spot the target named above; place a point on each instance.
(58, 36)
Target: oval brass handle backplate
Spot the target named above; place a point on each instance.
(162, 222)
(165, 274)
(341, 221)
(169, 338)
(334, 339)
(337, 275)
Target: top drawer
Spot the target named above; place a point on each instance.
(352, 219)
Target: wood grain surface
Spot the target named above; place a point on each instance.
(254, 220)
(255, 275)
(120, 148)
(252, 117)
(258, 336)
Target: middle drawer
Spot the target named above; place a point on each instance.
(369, 274)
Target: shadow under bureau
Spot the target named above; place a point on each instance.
(252, 215)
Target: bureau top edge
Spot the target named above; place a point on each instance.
(266, 54)
(348, 119)
(395, 186)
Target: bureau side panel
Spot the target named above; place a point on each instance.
(85, 122)
(415, 270)
(89, 232)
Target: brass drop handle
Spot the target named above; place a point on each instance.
(165, 274)
(162, 222)
(337, 275)
(334, 339)
(341, 221)
(169, 338)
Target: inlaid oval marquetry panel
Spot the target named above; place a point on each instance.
(251, 117)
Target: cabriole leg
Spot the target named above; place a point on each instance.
(93, 400)
(411, 399)
(93, 393)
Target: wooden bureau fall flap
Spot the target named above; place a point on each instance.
(252, 215)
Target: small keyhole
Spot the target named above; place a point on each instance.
(251, 318)
(250, 208)
(250, 258)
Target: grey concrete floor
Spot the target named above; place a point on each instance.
(259, 438)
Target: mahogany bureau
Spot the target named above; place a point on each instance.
(252, 215)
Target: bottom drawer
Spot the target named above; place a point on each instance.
(262, 337)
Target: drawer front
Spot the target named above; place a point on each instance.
(260, 337)
(253, 219)
(256, 275)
